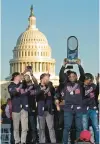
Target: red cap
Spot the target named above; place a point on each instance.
(85, 135)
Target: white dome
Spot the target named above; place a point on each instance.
(31, 36)
(32, 49)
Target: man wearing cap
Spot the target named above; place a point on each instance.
(19, 107)
(90, 106)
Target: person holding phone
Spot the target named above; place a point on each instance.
(19, 108)
(32, 113)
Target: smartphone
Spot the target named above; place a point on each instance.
(29, 67)
(70, 67)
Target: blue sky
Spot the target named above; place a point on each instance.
(57, 19)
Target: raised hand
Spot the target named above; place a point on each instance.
(78, 62)
(57, 105)
(22, 91)
(65, 61)
(97, 78)
(18, 89)
(25, 71)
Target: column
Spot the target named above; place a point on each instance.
(40, 67)
(25, 65)
(33, 67)
(51, 68)
(22, 66)
(54, 67)
(10, 69)
(45, 67)
(18, 67)
(15, 67)
(36, 67)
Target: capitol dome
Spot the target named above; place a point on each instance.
(32, 48)
(31, 36)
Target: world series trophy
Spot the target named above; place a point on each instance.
(72, 50)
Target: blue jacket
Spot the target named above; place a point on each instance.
(73, 100)
(90, 96)
(19, 101)
(45, 100)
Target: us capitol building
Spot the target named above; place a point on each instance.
(32, 49)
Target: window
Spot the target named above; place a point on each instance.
(38, 53)
(35, 53)
(31, 53)
(41, 53)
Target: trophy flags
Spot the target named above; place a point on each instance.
(72, 49)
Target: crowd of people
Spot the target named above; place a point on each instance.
(73, 102)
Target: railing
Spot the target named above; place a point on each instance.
(5, 134)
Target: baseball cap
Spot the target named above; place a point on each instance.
(14, 75)
(85, 136)
(88, 76)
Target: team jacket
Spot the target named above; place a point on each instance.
(19, 101)
(32, 98)
(45, 99)
(72, 93)
(90, 96)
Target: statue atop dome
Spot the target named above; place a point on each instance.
(31, 11)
